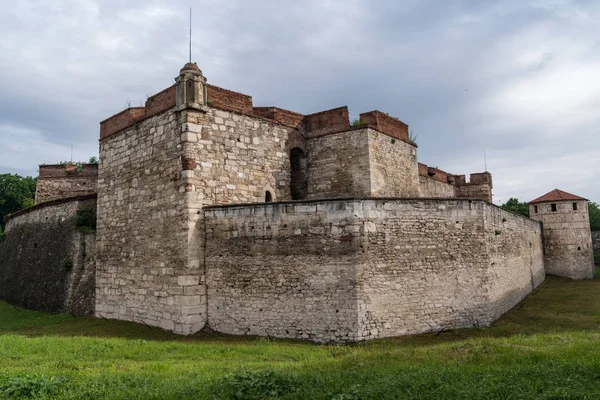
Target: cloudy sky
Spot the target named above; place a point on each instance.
(519, 80)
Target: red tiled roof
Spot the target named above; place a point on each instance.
(556, 195)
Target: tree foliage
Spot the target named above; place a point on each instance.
(516, 206)
(594, 211)
(16, 193)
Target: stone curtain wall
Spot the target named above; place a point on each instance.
(47, 264)
(434, 264)
(144, 273)
(433, 188)
(596, 240)
(58, 182)
(568, 250)
(338, 165)
(392, 166)
(283, 270)
(348, 270)
(515, 248)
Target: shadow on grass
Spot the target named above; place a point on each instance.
(558, 305)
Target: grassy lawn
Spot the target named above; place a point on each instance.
(546, 348)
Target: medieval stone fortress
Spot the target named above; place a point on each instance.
(212, 213)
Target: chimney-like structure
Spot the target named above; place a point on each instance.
(191, 88)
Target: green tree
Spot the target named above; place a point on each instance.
(594, 211)
(514, 205)
(16, 193)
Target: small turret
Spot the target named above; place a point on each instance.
(191, 88)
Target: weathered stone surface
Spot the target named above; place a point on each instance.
(568, 250)
(64, 181)
(433, 188)
(350, 270)
(47, 264)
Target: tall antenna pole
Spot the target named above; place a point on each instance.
(190, 34)
(485, 160)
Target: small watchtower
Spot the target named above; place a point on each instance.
(566, 234)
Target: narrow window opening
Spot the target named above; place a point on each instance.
(579, 248)
(535, 209)
(574, 206)
(553, 206)
(298, 182)
(268, 197)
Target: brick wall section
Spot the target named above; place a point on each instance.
(229, 100)
(63, 181)
(392, 166)
(327, 122)
(161, 101)
(596, 240)
(121, 121)
(282, 116)
(384, 123)
(46, 264)
(568, 250)
(338, 165)
(350, 270)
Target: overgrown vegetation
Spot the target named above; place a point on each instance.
(412, 136)
(516, 206)
(594, 211)
(546, 348)
(85, 219)
(355, 123)
(16, 193)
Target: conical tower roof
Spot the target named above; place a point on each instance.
(556, 195)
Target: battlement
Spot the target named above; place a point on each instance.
(285, 117)
(67, 171)
(384, 123)
(327, 122)
(229, 100)
(436, 174)
(322, 123)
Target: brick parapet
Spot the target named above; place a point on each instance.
(327, 122)
(386, 124)
(61, 171)
(285, 117)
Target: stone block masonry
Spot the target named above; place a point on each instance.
(351, 270)
(568, 249)
(46, 263)
(65, 181)
(146, 272)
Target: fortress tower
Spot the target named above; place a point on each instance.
(566, 234)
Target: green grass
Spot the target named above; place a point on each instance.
(548, 347)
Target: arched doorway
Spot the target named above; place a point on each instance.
(298, 184)
(268, 197)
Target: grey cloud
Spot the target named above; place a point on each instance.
(513, 79)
